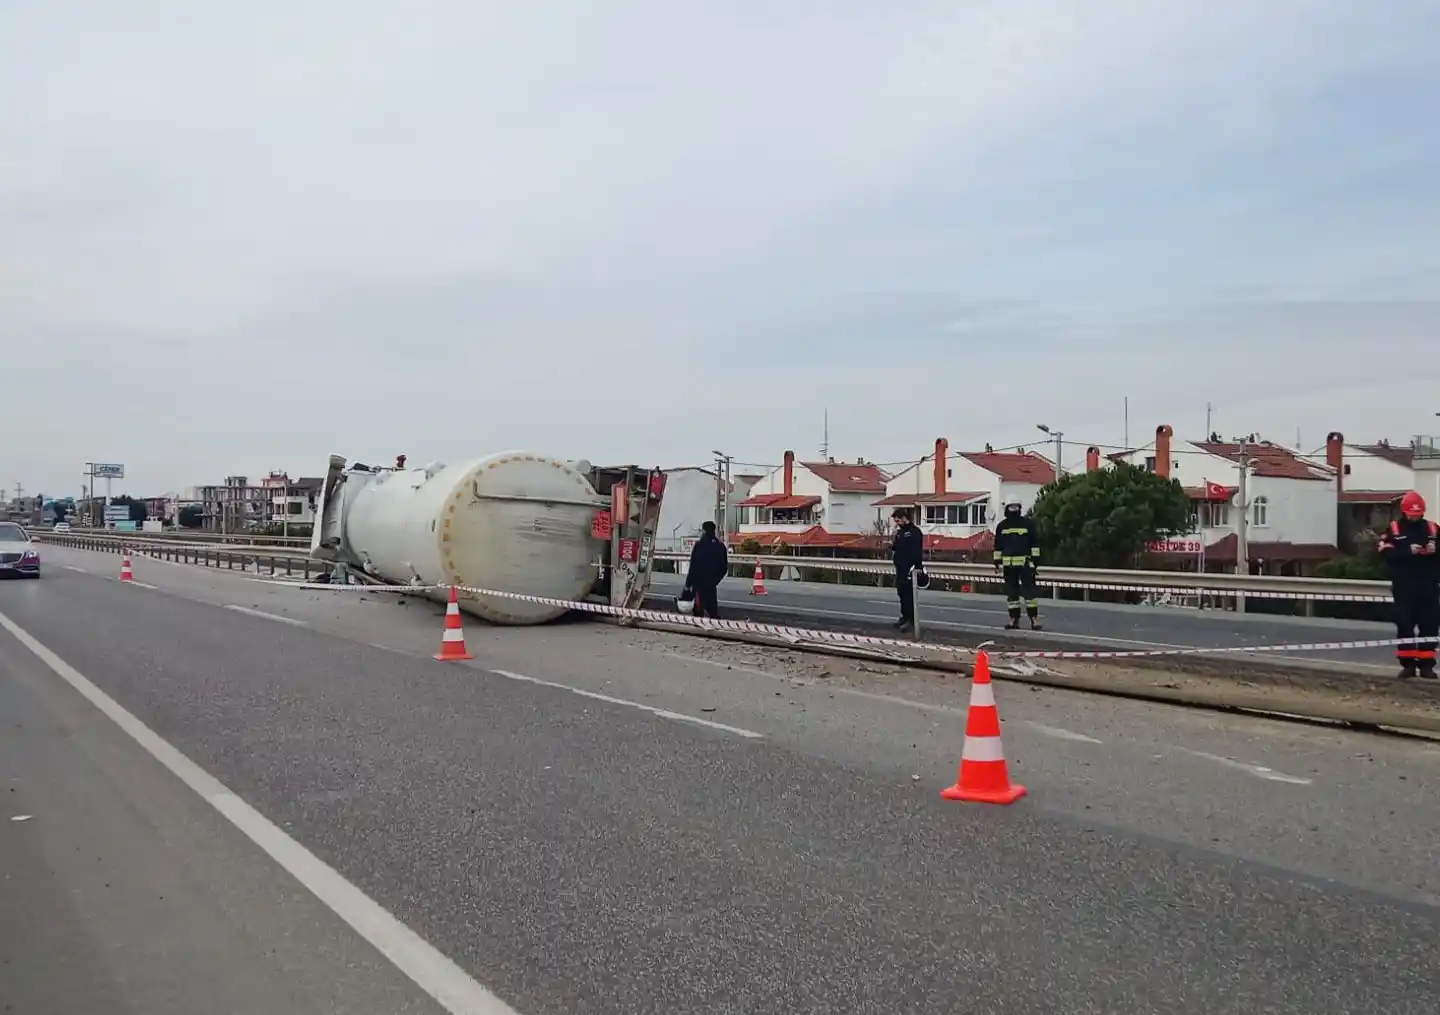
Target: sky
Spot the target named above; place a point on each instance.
(240, 238)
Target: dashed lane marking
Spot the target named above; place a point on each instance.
(1062, 734)
(267, 616)
(1258, 771)
(663, 713)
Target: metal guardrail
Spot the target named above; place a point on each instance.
(275, 560)
(185, 535)
(1270, 586)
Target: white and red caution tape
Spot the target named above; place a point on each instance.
(799, 634)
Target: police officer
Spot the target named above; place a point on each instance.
(1017, 558)
(907, 550)
(1409, 550)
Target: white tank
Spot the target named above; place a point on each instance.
(514, 521)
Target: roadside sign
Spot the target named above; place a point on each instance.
(115, 513)
(1175, 546)
(103, 471)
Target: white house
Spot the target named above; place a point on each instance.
(957, 499)
(813, 503)
(1292, 501)
(1371, 478)
(690, 500)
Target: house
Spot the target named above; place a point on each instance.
(1292, 503)
(691, 496)
(1371, 479)
(826, 503)
(957, 499)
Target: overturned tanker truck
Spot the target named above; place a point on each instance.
(510, 522)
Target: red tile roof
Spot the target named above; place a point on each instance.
(849, 477)
(1371, 496)
(1224, 550)
(954, 497)
(1210, 491)
(779, 501)
(1270, 460)
(1397, 456)
(1013, 467)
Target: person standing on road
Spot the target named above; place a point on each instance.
(709, 563)
(907, 550)
(1017, 558)
(1409, 550)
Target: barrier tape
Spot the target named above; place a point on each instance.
(843, 638)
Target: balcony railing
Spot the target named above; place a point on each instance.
(1427, 449)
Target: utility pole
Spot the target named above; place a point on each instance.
(1208, 431)
(825, 439)
(722, 491)
(1242, 522)
(1059, 448)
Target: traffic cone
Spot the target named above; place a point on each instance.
(757, 584)
(452, 639)
(983, 777)
(125, 575)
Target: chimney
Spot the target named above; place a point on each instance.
(1163, 433)
(1335, 457)
(942, 454)
(789, 473)
(1092, 459)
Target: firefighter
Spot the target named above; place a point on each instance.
(1408, 547)
(1017, 558)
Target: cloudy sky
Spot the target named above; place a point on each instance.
(236, 237)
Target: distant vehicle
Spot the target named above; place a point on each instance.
(18, 556)
(62, 526)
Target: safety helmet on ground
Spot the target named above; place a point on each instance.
(1412, 505)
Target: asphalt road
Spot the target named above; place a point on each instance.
(1067, 623)
(589, 819)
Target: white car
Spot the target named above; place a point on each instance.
(19, 557)
(62, 526)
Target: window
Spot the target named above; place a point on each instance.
(935, 514)
(1217, 515)
(977, 514)
(1260, 511)
(1150, 464)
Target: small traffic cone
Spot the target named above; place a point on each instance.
(757, 584)
(125, 575)
(452, 639)
(983, 777)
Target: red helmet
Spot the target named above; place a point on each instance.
(1412, 505)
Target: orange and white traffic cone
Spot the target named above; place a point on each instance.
(983, 776)
(125, 575)
(757, 584)
(452, 639)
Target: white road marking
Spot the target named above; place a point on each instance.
(664, 713)
(133, 581)
(1062, 734)
(77, 570)
(1259, 771)
(432, 972)
(267, 616)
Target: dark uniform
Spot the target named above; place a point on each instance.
(1017, 555)
(907, 550)
(709, 563)
(1409, 550)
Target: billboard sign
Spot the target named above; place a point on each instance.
(103, 471)
(117, 513)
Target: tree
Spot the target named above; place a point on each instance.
(1104, 518)
(138, 511)
(191, 516)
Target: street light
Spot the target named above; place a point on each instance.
(722, 491)
(1059, 447)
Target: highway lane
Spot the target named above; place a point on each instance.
(1103, 625)
(581, 854)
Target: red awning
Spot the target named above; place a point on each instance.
(780, 502)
